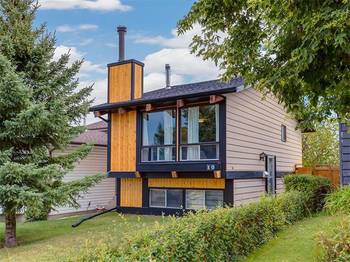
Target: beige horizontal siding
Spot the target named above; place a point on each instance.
(99, 196)
(280, 185)
(253, 126)
(248, 190)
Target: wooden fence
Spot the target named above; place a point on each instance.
(330, 172)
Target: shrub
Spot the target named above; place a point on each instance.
(316, 188)
(339, 201)
(336, 246)
(294, 206)
(225, 234)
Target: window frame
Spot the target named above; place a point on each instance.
(205, 197)
(142, 146)
(166, 165)
(283, 133)
(216, 143)
(165, 190)
(184, 197)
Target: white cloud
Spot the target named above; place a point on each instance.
(153, 81)
(98, 94)
(65, 29)
(100, 5)
(88, 27)
(176, 41)
(70, 28)
(176, 52)
(87, 68)
(85, 42)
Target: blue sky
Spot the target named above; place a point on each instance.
(88, 29)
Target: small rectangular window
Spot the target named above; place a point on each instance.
(174, 198)
(283, 133)
(157, 198)
(214, 199)
(201, 199)
(166, 198)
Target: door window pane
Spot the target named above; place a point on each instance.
(174, 198)
(214, 199)
(195, 199)
(157, 197)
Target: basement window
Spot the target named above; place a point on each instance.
(166, 198)
(283, 133)
(204, 199)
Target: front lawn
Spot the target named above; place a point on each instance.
(296, 243)
(48, 240)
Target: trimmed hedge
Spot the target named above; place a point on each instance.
(339, 201)
(316, 188)
(336, 246)
(225, 234)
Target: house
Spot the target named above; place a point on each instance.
(102, 195)
(344, 137)
(193, 146)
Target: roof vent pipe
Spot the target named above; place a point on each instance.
(167, 76)
(121, 31)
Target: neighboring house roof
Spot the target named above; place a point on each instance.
(192, 90)
(95, 133)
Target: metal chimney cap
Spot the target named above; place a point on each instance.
(121, 28)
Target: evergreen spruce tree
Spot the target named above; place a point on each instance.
(41, 109)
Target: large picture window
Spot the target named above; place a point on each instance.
(200, 133)
(159, 136)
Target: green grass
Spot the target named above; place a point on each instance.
(48, 240)
(297, 242)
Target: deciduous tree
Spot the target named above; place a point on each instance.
(297, 50)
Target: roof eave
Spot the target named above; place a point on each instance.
(139, 102)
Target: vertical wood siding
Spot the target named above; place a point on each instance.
(123, 142)
(253, 126)
(248, 190)
(131, 192)
(101, 195)
(187, 183)
(138, 81)
(119, 83)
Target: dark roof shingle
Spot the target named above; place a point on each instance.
(96, 134)
(177, 92)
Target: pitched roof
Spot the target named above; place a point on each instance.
(192, 90)
(95, 133)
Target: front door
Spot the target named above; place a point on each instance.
(271, 177)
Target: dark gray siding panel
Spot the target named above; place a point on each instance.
(345, 154)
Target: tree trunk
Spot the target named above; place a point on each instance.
(10, 229)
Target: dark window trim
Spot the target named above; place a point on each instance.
(166, 196)
(199, 143)
(139, 139)
(184, 166)
(283, 133)
(183, 196)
